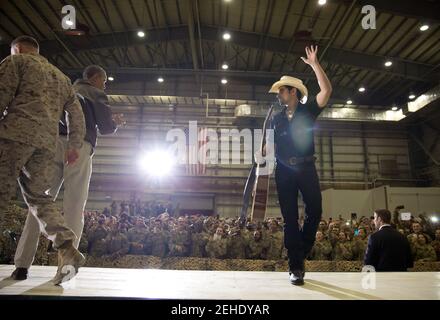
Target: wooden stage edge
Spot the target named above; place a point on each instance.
(212, 285)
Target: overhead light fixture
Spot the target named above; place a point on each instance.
(110, 78)
(224, 81)
(160, 80)
(361, 89)
(225, 66)
(394, 108)
(226, 36)
(388, 63)
(412, 96)
(424, 27)
(322, 2)
(141, 34)
(349, 101)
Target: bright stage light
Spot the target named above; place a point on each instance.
(434, 219)
(388, 64)
(141, 34)
(349, 101)
(361, 89)
(160, 80)
(157, 163)
(412, 96)
(225, 66)
(424, 27)
(226, 36)
(224, 81)
(111, 78)
(322, 2)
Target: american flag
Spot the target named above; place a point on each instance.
(196, 160)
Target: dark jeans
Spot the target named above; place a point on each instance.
(290, 180)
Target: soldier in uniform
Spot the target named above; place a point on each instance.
(76, 179)
(323, 228)
(34, 94)
(436, 244)
(137, 237)
(199, 239)
(118, 244)
(98, 239)
(180, 240)
(157, 241)
(423, 250)
(342, 251)
(360, 245)
(322, 248)
(217, 245)
(236, 244)
(256, 247)
(275, 240)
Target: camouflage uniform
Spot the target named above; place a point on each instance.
(217, 248)
(157, 242)
(359, 247)
(179, 243)
(198, 244)
(98, 241)
(436, 245)
(34, 94)
(118, 244)
(276, 245)
(137, 238)
(256, 249)
(321, 250)
(342, 251)
(424, 253)
(236, 248)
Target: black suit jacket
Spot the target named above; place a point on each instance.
(388, 250)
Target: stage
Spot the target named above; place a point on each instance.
(237, 285)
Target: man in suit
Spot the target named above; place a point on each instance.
(387, 249)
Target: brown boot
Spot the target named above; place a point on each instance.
(69, 261)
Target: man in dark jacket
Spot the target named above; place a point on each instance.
(98, 117)
(387, 249)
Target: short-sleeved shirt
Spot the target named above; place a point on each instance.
(295, 138)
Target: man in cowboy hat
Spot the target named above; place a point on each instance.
(295, 169)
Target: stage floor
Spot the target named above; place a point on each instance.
(172, 284)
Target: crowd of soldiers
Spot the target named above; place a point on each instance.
(117, 232)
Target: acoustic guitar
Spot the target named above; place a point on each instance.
(256, 189)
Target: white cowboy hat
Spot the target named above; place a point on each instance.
(292, 82)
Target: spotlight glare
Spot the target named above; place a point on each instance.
(110, 78)
(224, 81)
(424, 27)
(388, 63)
(69, 23)
(361, 89)
(349, 101)
(225, 66)
(412, 96)
(394, 108)
(141, 34)
(434, 219)
(226, 36)
(322, 2)
(160, 80)
(156, 163)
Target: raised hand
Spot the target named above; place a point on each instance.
(312, 55)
